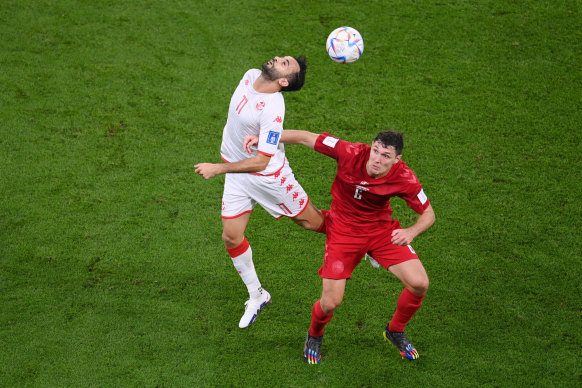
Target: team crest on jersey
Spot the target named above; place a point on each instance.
(260, 105)
(273, 137)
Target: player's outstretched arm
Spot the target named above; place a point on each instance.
(405, 236)
(255, 164)
(296, 136)
(288, 136)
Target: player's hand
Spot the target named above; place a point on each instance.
(250, 142)
(402, 237)
(207, 170)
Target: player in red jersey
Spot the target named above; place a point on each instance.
(360, 222)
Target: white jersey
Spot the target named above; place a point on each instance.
(254, 113)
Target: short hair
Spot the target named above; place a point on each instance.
(391, 138)
(296, 80)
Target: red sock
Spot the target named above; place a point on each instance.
(239, 249)
(408, 304)
(318, 320)
(323, 227)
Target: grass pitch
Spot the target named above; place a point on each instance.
(112, 268)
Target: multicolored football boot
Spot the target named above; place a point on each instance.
(312, 349)
(402, 343)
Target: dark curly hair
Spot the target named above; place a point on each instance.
(391, 138)
(296, 80)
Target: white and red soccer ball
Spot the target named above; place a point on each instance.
(345, 45)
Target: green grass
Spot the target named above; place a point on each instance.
(112, 268)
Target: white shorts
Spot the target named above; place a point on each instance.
(279, 194)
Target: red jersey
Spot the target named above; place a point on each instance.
(360, 200)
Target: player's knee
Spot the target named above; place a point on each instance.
(420, 285)
(231, 240)
(328, 305)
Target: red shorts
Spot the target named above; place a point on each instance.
(344, 250)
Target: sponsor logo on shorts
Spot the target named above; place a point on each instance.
(273, 137)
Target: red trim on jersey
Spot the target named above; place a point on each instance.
(264, 153)
(237, 216)
(239, 249)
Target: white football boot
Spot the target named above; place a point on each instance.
(252, 308)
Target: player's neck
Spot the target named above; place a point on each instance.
(263, 85)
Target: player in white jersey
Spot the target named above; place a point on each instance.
(257, 108)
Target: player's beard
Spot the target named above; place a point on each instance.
(270, 73)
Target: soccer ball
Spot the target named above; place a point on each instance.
(345, 45)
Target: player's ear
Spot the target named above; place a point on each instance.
(283, 82)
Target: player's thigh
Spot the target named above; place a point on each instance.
(412, 274)
(233, 229)
(280, 194)
(343, 252)
(236, 199)
(310, 218)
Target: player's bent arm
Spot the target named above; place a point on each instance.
(425, 221)
(405, 236)
(295, 136)
(255, 164)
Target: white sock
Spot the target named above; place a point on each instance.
(246, 269)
